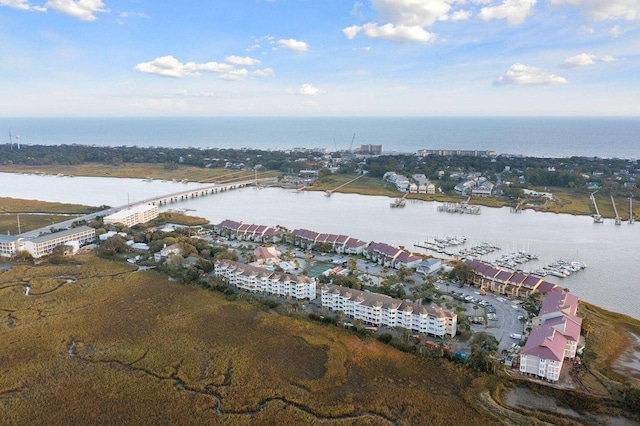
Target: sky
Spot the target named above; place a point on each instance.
(121, 58)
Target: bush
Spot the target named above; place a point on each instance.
(385, 337)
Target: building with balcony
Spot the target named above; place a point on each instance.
(256, 279)
(382, 310)
(133, 216)
(74, 237)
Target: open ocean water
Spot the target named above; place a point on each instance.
(536, 136)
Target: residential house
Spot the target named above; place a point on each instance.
(429, 266)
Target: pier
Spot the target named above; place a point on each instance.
(331, 191)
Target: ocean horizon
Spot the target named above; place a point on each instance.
(559, 137)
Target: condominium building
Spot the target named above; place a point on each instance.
(9, 245)
(256, 279)
(75, 237)
(554, 337)
(381, 310)
(133, 216)
(247, 232)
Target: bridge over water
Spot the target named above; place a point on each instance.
(187, 194)
(202, 191)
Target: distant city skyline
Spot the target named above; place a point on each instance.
(75, 58)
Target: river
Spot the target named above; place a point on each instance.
(611, 252)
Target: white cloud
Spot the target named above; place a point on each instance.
(84, 10)
(238, 60)
(168, 66)
(208, 66)
(124, 17)
(198, 94)
(309, 90)
(412, 12)
(265, 72)
(351, 32)
(601, 10)
(584, 59)
(22, 5)
(514, 11)
(295, 45)
(615, 31)
(524, 75)
(392, 32)
(460, 15)
(235, 75)
(581, 60)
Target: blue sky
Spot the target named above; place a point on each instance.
(75, 58)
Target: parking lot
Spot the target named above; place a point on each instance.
(507, 313)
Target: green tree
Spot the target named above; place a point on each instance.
(113, 246)
(483, 347)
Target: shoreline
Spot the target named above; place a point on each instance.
(566, 202)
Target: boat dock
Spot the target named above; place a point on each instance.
(460, 208)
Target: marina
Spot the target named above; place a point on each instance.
(476, 252)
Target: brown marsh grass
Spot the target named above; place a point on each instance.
(99, 343)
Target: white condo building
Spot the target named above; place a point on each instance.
(133, 216)
(75, 237)
(9, 245)
(381, 310)
(257, 279)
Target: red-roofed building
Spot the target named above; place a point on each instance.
(244, 231)
(554, 337)
(543, 355)
(354, 246)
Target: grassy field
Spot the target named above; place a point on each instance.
(608, 337)
(365, 185)
(140, 170)
(97, 342)
(35, 214)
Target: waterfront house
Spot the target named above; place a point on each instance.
(512, 284)
(354, 246)
(248, 232)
